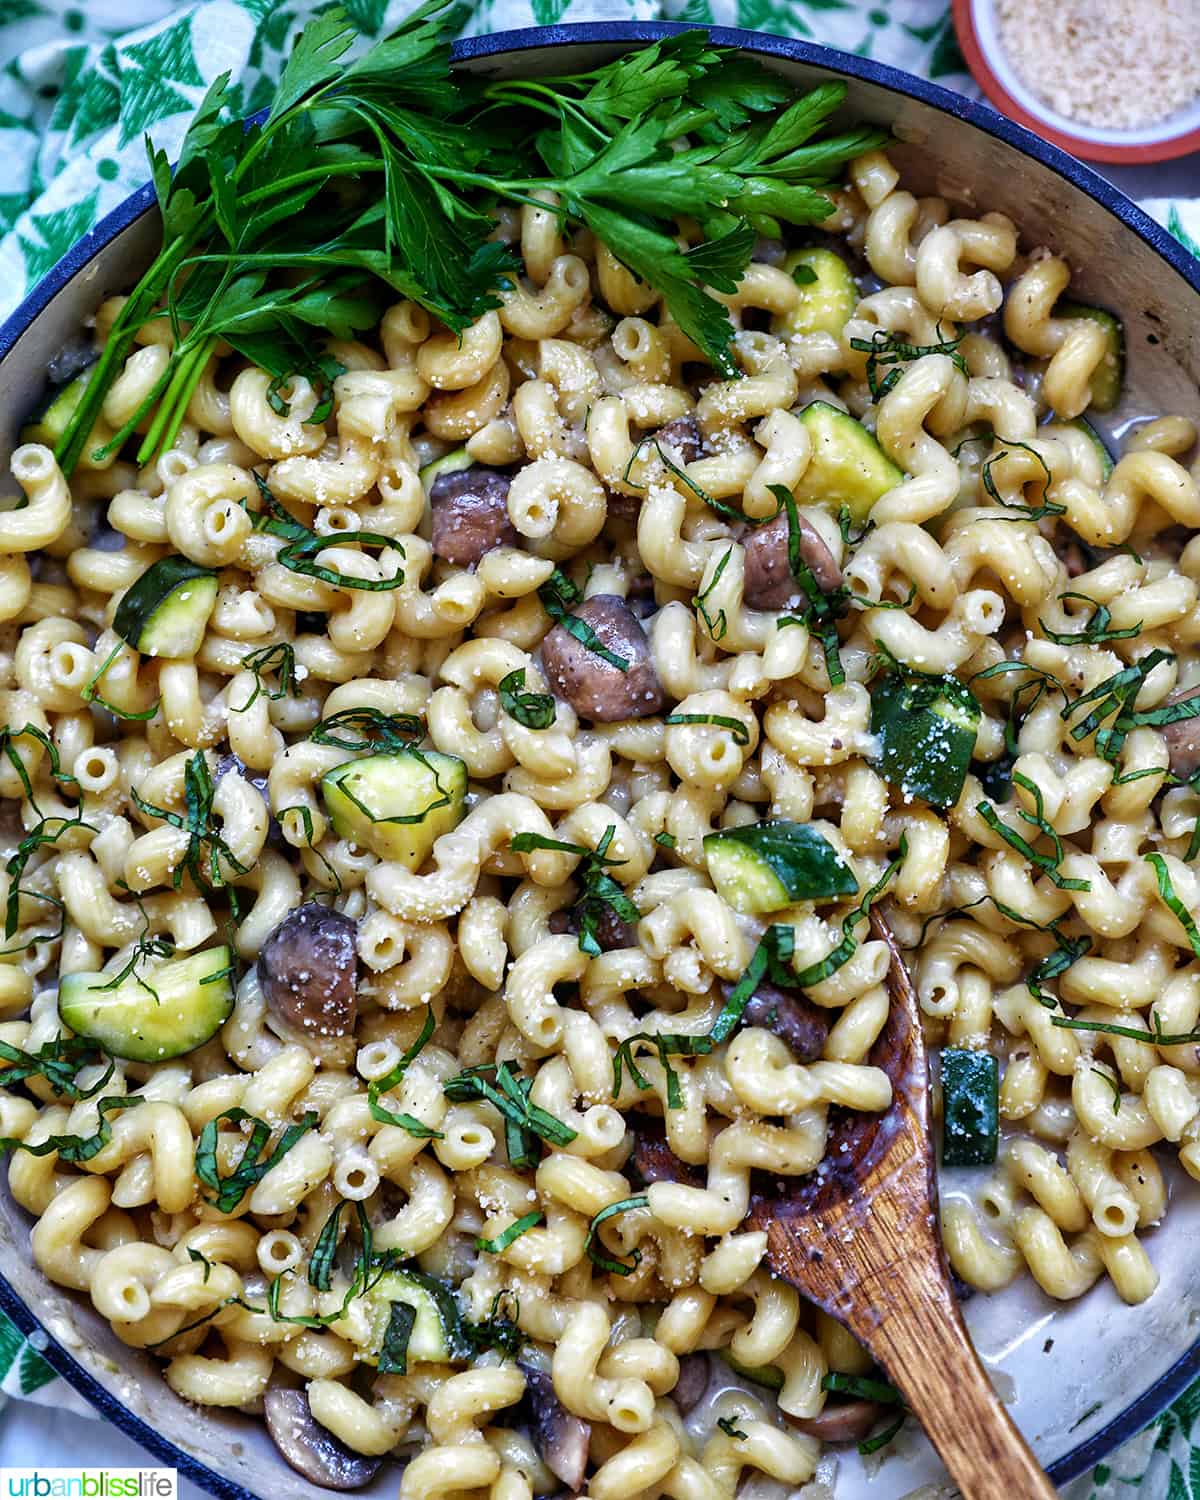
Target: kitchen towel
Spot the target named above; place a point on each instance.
(81, 85)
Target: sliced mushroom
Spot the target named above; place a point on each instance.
(594, 687)
(769, 582)
(470, 515)
(654, 1159)
(695, 1372)
(843, 1422)
(797, 1021)
(1183, 738)
(611, 930)
(682, 439)
(312, 1450)
(308, 968)
(562, 1439)
(770, 251)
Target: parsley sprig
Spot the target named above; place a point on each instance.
(374, 177)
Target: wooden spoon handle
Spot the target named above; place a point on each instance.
(927, 1352)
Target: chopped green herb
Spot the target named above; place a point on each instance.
(1113, 1084)
(817, 973)
(741, 735)
(597, 1256)
(557, 594)
(728, 1425)
(665, 840)
(280, 659)
(1020, 512)
(302, 545)
(1167, 891)
(252, 1166)
(206, 848)
(367, 729)
(1048, 864)
(887, 348)
(1097, 629)
(513, 1232)
(598, 889)
(533, 710)
(862, 1388)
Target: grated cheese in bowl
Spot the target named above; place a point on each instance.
(1118, 64)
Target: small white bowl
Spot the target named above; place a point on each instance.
(978, 30)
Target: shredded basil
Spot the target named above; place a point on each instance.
(598, 888)
(206, 848)
(881, 1439)
(393, 1352)
(834, 960)
(1167, 891)
(597, 1257)
(390, 1080)
(303, 545)
(90, 693)
(1021, 512)
(728, 1425)
(77, 1148)
(509, 1094)
(823, 610)
(716, 628)
(887, 348)
(59, 1061)
(741, 734)
(665, 840)
(513, 1232)
(1113, 1084)
(862, 1388)
(367, 729)
(533, 710)
(252, 1166)
(1048, 864)
(1097, 629)
(557, 594)
(280, 659)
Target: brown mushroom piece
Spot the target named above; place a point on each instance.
(795, 1020)
(654, 1159)
(595, 688)
(695, 1372)
(308, 968)
(312, 1450)
(682, 439)
(1183, 738)
(470, 515)
(611, 930)
(769, 582)
(841, 1422)
(562, 1439)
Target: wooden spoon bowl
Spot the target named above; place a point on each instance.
(859, 1238)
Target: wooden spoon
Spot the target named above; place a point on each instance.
(860, 1239)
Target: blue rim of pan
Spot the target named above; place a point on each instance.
(1176, 1379)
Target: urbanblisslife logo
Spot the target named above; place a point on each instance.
(90, 1484)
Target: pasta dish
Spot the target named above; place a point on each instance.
(456, 731)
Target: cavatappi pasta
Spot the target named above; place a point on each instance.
(539, 590)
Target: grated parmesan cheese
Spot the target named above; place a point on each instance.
(1113, 63)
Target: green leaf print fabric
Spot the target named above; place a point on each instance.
(82, 82)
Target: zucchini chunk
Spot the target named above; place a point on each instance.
(436, 1333)
(1097, 442)
(827, 303)
(396, 804)
(1109, 375)
(449, 463)
(926, 728)
(50, 425)
(766, 866)
(847, 467)
(970, 1108)
(166, 611)
(768, 1375)
(161, 1012)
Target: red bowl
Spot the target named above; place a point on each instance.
(1171, 144)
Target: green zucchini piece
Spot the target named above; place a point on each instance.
(764, 867)
(437, 1335)
(449, 463)
(767, 1375)
(847, 467)
(970, 1108)
(166, 611)
(1097, 442)
(826, 303)
(398, 803)
(1109, 376)
(926, 729)
(50, 425)
(158, 1012)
